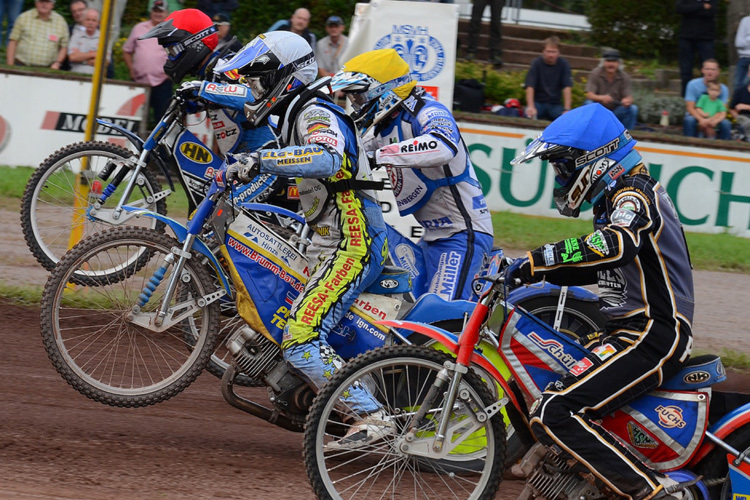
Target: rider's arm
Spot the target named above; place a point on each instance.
(435, 143)
(322, 151)
(228, 95)
(614, 245)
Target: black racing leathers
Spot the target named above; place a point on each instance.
(639, 257)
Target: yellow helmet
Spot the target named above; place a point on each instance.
(375, 83)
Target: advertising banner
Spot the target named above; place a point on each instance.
(423, 33)
(710, 188)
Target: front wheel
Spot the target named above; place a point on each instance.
(108, 346)
(66, 184)
(403, 464)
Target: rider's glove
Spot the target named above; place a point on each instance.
(188, 93)
(243, 167)
(518, 272)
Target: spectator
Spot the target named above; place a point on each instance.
(297, 24)
(740, 108)
(77, 12)
(9, 9)
(742, 44)
(172, 5)
(213, 7)
(697, 33)
(145, 60)
(548, 83)
(475, 26)
(115, 18)
(226, 39)
(693, 91)
(39, 37)
(709, 106)
(329, 48)
(84, 44)
(609, 85)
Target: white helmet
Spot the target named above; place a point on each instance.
(274, 65)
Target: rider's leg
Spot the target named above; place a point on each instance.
(453, 263)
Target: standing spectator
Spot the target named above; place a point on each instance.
(172, 5)
(145, 60)
(697, 33)
(709, 106)
(742, 44)
(77, 12)
(213, 7)
(115, 18)
(740, 108)
(226, 39)
(9, 9)
(548, 83)
(84, 44)
(475, 26)
(297, 24)
(39, 37)
(694, 90)
(329, 48)
(609, 85)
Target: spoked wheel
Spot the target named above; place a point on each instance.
(66, 184)
(579, 319)
(715, 466)
(105, 345)
(403, 463)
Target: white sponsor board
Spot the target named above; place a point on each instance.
(40, 114)
(709, 187)
(423, 33)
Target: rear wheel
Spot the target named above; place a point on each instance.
(403, 464)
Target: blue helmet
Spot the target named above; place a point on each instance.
(589, 149)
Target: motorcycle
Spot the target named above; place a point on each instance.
(130, 315)
(442, 437)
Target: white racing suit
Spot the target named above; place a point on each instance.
(348, 247)
(434, 179)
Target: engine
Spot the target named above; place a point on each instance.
(551, 477)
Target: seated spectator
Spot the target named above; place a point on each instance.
(710, 107)
(510, 107)
(84, 44)
(548, 83)
(39, 37)
(695, 88)
(297, 24)
(609, 85)
(328, 50)
(740, 108)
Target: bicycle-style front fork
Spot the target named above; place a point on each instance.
(167, 315)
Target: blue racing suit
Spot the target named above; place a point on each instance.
(433, 179)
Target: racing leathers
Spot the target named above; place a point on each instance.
(433, 179)
(348, 248)
(639, 257)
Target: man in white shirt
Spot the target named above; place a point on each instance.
(84, 44)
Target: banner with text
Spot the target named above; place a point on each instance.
(423, 33)
(709, 187)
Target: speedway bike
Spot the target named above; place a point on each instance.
(441, 435)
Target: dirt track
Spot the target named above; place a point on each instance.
(57, 444)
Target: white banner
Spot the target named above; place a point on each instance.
(40, 114)
(423, 33)
(709, 187)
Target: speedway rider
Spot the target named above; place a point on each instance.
(418, 139)
(348, 246)
(638, 255)
(189, 37)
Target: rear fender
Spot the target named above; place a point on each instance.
(181, 232)
(729, 423)
(484, 358)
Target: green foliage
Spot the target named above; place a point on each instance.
(642, 28)
(651, 106)
(502, 85)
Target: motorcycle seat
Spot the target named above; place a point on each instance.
(392, 279)
(700, 371)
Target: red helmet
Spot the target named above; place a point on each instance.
(188, 36)
(512, 103)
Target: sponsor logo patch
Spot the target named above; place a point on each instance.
(640, 438)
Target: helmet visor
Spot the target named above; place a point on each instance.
(173, 51)
(257, 89)
(358, 100)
